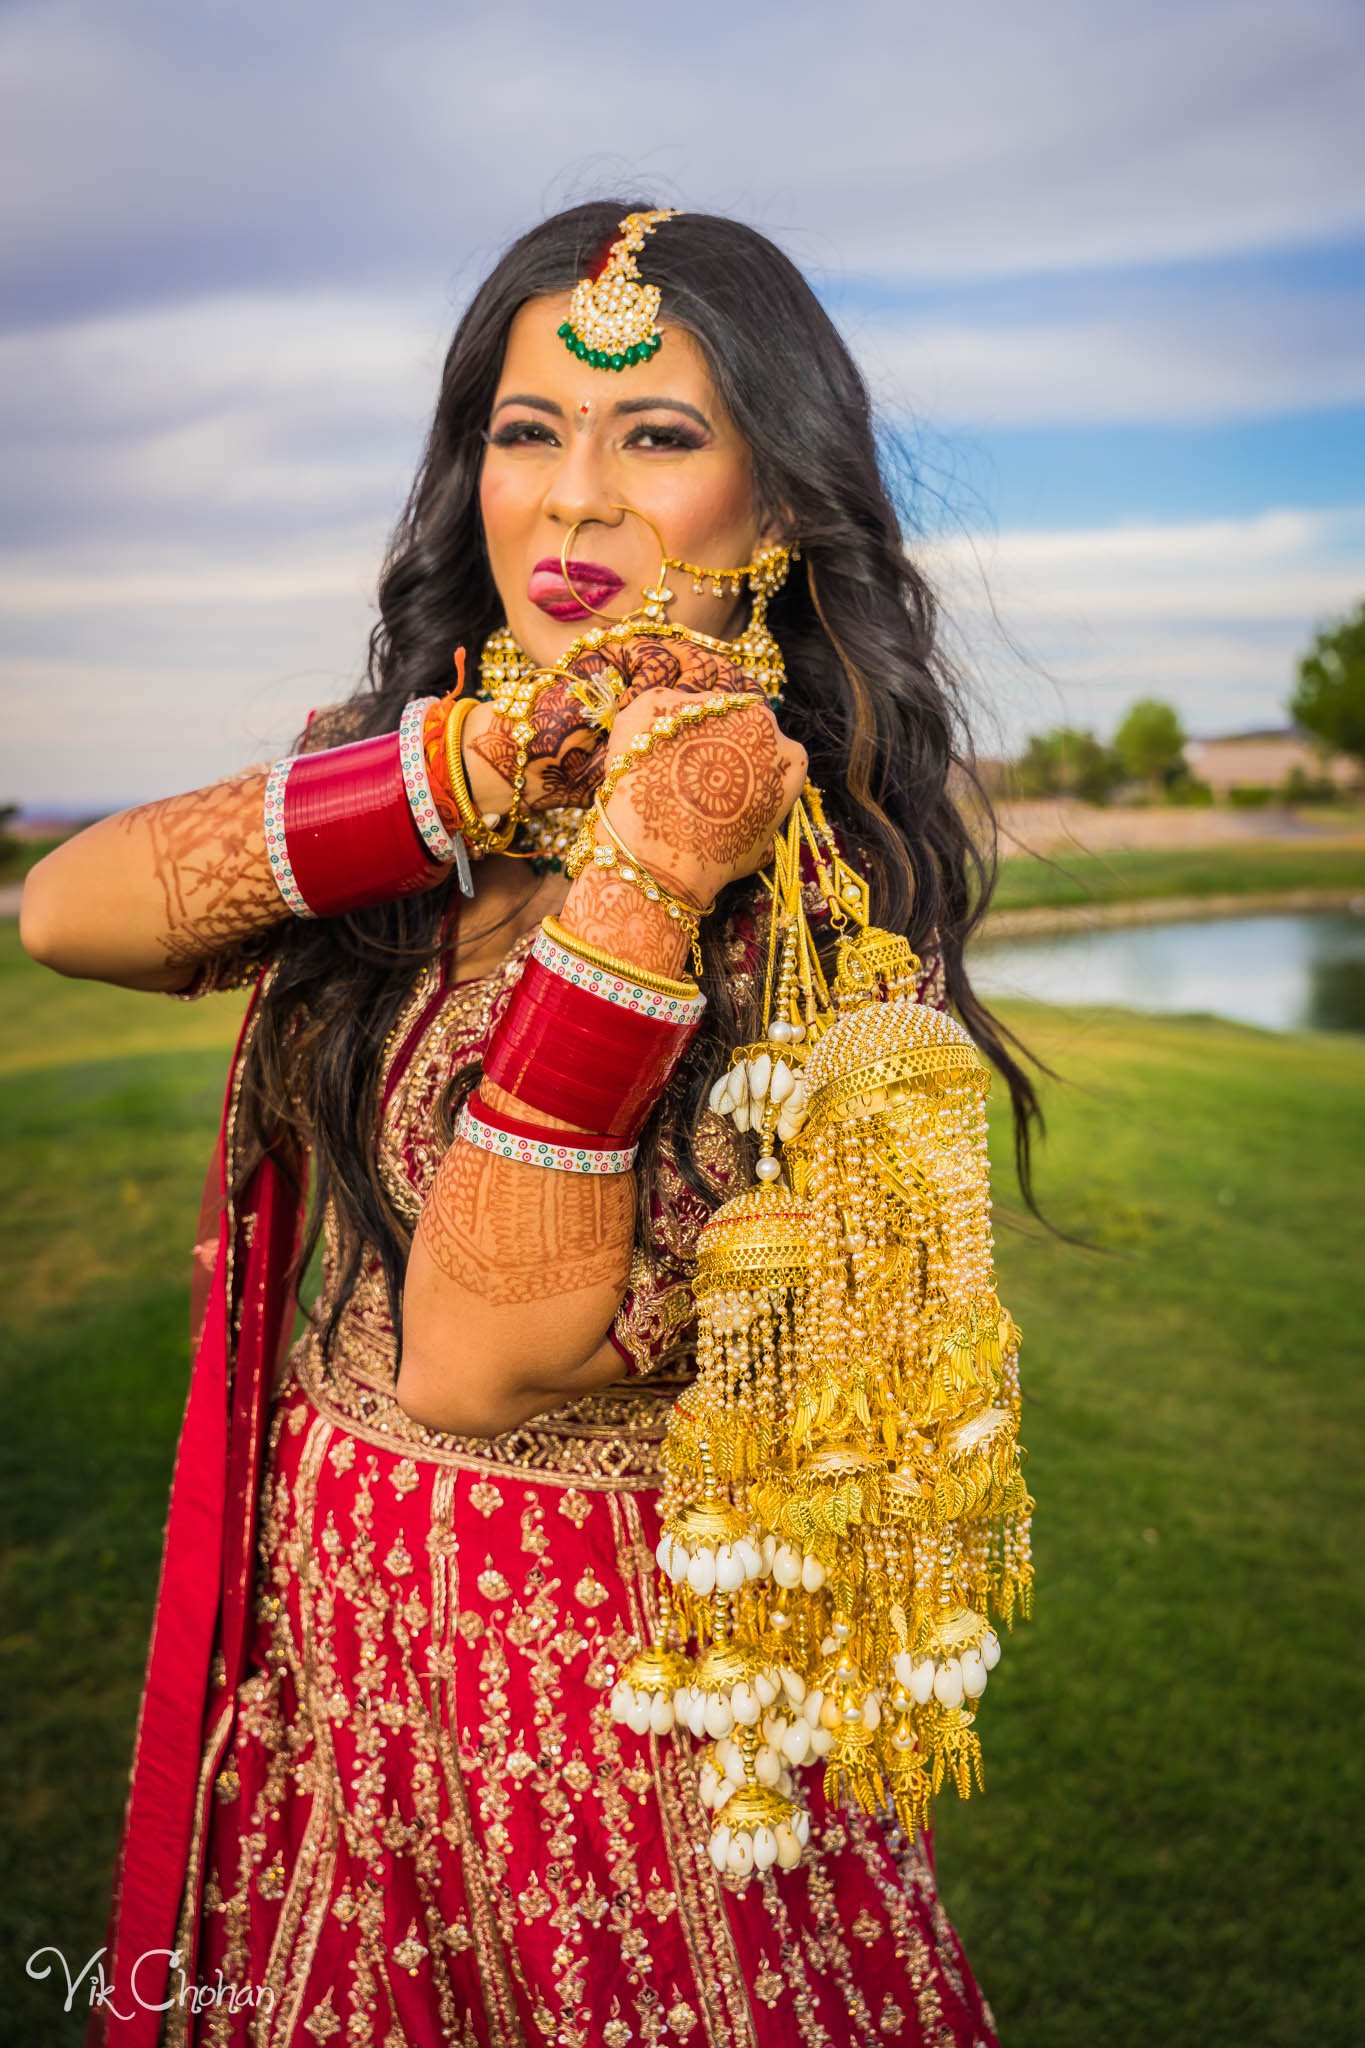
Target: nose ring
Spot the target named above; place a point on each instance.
(655, 599)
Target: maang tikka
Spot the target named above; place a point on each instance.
(613, 313)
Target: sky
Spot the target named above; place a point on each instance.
(1104, 268)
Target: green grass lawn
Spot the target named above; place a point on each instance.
(1073, 878)
(1168, 1848)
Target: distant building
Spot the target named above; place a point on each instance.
(1265, 760)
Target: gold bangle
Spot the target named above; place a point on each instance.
(638, 877)
(588, 851)
(694, 909)
(593, 956)
(480, 835)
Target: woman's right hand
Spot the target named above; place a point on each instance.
(569, 748)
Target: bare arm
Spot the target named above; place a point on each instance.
(144, 896)
(516, 1271)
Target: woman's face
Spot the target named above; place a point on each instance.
(568, 443)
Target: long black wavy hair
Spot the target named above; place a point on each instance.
(870, 696)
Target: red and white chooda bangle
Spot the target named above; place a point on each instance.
(349, 826)
(447, 846)
(507, 1137)
(584, 1041)
(616, 986)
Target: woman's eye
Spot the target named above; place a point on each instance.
(519, 433)
(662, 437)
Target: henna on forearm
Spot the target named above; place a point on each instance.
(509, 1233)
(207, 852)
(615, 917)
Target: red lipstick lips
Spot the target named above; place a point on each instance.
(592, 588)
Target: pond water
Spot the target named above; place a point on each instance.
(1304, 971)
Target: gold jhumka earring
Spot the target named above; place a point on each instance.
(755, 651)
(845, 1515)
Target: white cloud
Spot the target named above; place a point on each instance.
(176, 667)
(1214, 355)
(231, 414)
(152, 150)
(1071, 626)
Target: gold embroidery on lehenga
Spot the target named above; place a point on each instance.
(494, 1972)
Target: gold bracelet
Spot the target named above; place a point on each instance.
(630, 870)
(593, 956)
(481, 836)
(621, 861)
(694, 909)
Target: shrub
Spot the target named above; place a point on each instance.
(1189, 792)
(1302, 788)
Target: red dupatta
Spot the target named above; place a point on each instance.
(203, 1598)
(241, 1318)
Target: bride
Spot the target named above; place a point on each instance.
(378, 1794)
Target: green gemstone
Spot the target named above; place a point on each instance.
(580, 349)
(618, 362)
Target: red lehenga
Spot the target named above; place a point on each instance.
(377, 1797)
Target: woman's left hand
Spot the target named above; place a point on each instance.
(702, 804)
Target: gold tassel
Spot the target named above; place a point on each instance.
(846, 1514)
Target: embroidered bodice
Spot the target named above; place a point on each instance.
(438, 1033)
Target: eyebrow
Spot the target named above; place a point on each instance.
(623, 409)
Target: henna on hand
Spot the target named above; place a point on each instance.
(699, 807)
(711, 792)
(568, 750)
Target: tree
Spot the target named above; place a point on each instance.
(1150, 741)
(1330, 698)
(1068, 762)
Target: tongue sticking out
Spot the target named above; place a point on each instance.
(548, 589)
